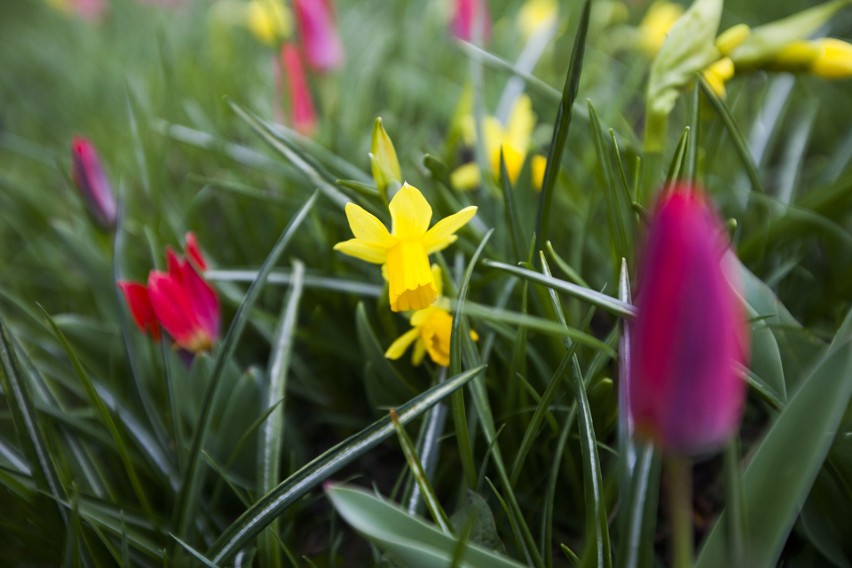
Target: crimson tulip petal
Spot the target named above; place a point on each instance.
(140, 308)
(194, 252)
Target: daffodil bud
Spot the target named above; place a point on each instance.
(90, 179)
(732, 38)
(834, 60)
(686, 392)
(268, 20)
(383, 160)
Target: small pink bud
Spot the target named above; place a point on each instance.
(302, 114)
(320, 40)
(90, 179)
(465, 16)
(690, 337)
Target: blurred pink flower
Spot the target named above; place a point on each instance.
(318, 34)
(91, 10)
(179, 300)
(302, 114)
(686, 392)
(90, 179)
(465, 14)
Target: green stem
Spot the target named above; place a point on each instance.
(679, 489)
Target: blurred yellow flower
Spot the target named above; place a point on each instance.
(430, 331)
(718, 74)
(535, 14)
(655, 26)
(268, 20)
(828, 58)
(405, 250)
(513, 138)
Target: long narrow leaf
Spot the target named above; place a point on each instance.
(193, 477)
(272, 432)
(791, 455)
(563, 122)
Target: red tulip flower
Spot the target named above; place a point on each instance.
(686, 392)
(302, 114)
(318, 33)
(179, 300)
(90, 179)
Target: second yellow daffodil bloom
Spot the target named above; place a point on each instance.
(430, 331)
(406, 248)
(513, 139)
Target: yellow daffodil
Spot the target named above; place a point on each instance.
(514, 140)
(430, 331)
(405, 250)
(655, 26)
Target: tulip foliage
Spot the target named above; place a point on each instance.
(461, 283)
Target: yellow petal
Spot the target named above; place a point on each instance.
(410, 213)
(439, 280)
(365, 251)
(366, 227)
(466, 176)
(521, 124)
(442, 234)
(398, 347)
(718, 73)
(418, 353)
(732, 38)
(514, 158)
(435, 334)
(655, 26)
(539, 164)
(410, 282)
(835, 59)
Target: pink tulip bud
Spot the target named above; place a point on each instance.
(466, 13)
(320, 40)
(302, 114)
(90, 179)
(686, 392)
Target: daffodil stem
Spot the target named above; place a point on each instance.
(679, 490)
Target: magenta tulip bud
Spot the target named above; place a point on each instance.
(466, 13)
(686, 392)
(318, 33)
(91, 181)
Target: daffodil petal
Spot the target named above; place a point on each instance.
(418, 353)
(410, 282)
(521, 123)
(398, 347)
(410, 213)
(466, 176)
(442, 234)
(538, 166)
(439, 280)
(366, 227)
(363, 250)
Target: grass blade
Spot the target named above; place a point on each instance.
(272, 432)
(104, 415)
(563, 122)
(32, 436)
(607, 303)
(255, 519)
(185, 507)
